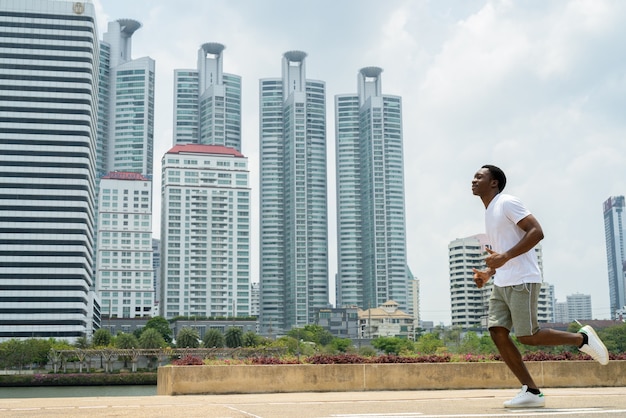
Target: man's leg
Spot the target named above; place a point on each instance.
(551, 337)
(511, 355)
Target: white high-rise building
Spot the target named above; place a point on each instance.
(294, 220)
(469, 304)
(125, 276)
(48, 85)
(207, 102)
(371, 228)
(578, 307)
(615, 234)
(205, 232)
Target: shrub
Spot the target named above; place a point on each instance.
(188, 361)
(78, 379)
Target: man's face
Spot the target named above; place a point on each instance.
(482, 183)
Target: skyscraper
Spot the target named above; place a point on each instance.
(615, 235)
(125, 160)
(126, 103)
(294, 221)
(48, 87)
(371, 230)
(205, 232)
(207, 102)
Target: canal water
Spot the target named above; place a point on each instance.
(77, 391)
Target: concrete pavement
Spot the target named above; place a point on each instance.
(579, 402)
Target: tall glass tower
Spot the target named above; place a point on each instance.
(371, 230)
(126, 104)
(125, 164)
(294, 223)
(615, 234)
(48, 85)
(207, 102)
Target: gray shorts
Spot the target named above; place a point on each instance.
(515, 308)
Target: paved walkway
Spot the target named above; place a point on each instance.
(580, 402)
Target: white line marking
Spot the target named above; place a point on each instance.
(241, 411)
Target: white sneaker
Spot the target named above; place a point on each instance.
(525, 399)
(594, 347)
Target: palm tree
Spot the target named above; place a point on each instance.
(187, 338)
(123, 340)
(234, 337)
(213, 339)
(151, 338)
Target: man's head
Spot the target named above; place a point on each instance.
(496, 174)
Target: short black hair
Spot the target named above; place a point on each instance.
(496, 174)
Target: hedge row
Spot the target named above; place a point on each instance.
(79, 379)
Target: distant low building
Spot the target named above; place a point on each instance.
(341, 322)
(385, 321)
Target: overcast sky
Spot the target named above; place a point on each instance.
(535, 87)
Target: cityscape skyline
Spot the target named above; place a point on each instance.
(584, 145)
(533, 88)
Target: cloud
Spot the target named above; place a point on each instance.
(538, 88)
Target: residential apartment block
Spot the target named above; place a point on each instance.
(371, 225)
(293, 208)
(205, 232)
(125, 272)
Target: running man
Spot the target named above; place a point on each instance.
(513, 233)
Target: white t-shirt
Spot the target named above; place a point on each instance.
(501, 218)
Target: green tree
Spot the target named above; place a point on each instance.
(614, 338)
(487, 346)
(187, 338)
(429, 343)
(251, 339)
(151, 338)
(126, 341)
(123, 340)
(15, 353)
(392, 345)
(213, 338)
(234, 337)
(82, 342)
(39, 350)
(160, 324)
(470, 343)
(452, 338)
(341, 345)
(290, 343)
(102, 338)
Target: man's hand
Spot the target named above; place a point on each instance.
(495, 260)
(482, 276)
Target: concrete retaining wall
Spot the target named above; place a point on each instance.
(187, 380)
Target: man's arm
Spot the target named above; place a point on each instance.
(533, 234)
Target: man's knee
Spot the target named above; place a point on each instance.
(498, 333)
(527, 340)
